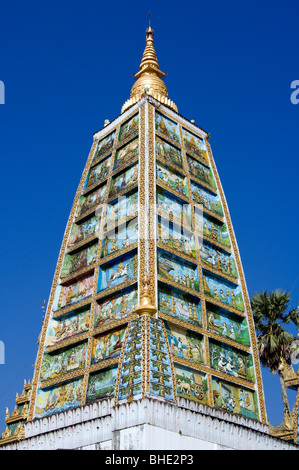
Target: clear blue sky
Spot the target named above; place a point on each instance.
(67, 66)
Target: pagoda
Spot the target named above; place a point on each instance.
(148, 340)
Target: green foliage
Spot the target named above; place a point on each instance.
(271, 314)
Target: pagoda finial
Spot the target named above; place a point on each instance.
(146, 306)
(149, 78)
(149, 58)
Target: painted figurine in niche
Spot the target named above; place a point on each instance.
(223, 292)
(98, 172)
(173, 209)
(167, 127)
(223, 324)
(118, 272)
(192, 385)
(129, 128)
(234, 399)
(79, 260)
(126, 153)
(124, 180)
(59, 398)
(208, 200)
(115, 308)
(107, 346)
(230, 361)
(104, 145)
(177, 270)
(60, 330)
(218, 260)
(91, 201)
(195, 144)
(81, 232)
(214, 231)
(201, 172)
(122, 208)
(176, 238)
(180, 305)
(168, 152)
(122, 238)
(101, 385)
(173, 180)
(75, 292)
(63, 362)
(185, 344)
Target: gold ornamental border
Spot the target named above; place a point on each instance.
(243, 288)
(151, 203)
(141, 197)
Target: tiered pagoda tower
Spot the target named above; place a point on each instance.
(148, 339)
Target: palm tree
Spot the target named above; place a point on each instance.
(271, 314)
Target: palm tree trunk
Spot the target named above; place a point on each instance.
(284, 392)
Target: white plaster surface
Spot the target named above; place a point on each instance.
(147, 424)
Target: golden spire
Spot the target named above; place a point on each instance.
(149, 77)
(146, 306)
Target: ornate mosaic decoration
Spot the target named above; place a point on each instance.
(149, 296)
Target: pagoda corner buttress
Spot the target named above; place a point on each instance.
(148, 339)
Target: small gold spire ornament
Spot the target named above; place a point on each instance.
(149, 78)
(146, 306)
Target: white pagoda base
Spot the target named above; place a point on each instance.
(147, 424)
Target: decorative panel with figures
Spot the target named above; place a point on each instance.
(116, 307)
(179, 305)
(104, 146)
(59, 398)
(98, 172)
(234, 399)
(63, 329)
(99, 341)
